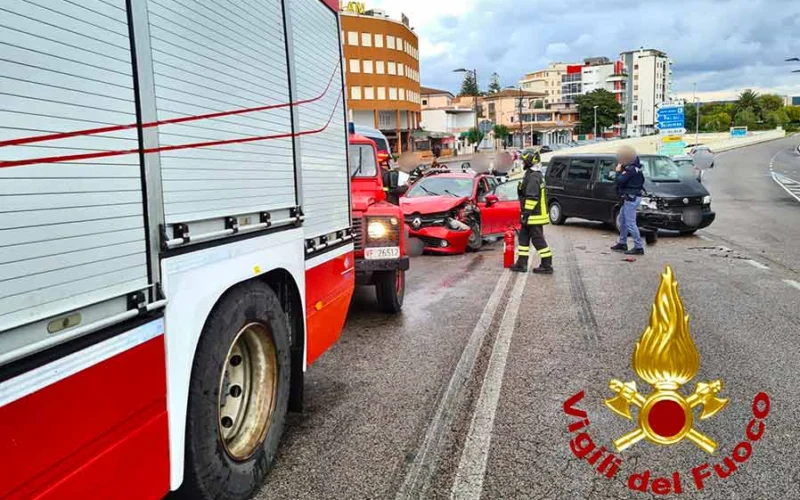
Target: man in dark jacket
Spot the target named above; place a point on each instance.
(630, 183)
(533, 207)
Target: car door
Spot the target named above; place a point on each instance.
(481, 190)
(505, 213)
(604, 189)
(577, 197)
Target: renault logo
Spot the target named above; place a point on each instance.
(686, 201)
(416, 223)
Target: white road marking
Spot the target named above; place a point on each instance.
(787, 184)
(704, 237)
(792, 283)
(757, 265)
(422, 468)
(468, 482)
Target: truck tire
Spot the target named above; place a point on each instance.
(390, 289)
(238, 395)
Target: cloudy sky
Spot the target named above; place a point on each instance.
(722, 45)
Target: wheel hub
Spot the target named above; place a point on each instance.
(247, 391)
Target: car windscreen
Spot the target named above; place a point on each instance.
(380, 143)
(441, 186)
(660, 169)
(362, 161)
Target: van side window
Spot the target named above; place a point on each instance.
(556, 168)
(580, 169)
(605, 168)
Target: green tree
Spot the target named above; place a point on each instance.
(776, 118)
(494, 84)
(501, 133)
(793, 113)
(538, 104)
(474, 136)
(746, 118)
(717, 122)
(469, 87)
(608, 110)
(690, 116)
(748, 100)
(769, 103)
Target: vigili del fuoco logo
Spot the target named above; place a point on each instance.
(666, 358)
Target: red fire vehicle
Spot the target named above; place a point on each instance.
(175, 239)
(378, 227)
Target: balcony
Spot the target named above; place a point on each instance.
(618, 91)
(618, 77)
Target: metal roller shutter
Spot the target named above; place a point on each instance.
(219, 57)
(323, 153)
(71, 229)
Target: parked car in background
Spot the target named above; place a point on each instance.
(687, 167)
(582, 185)
(545, 149)
(451, 212)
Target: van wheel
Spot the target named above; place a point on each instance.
(390, 289)
(556, 214)
(651, 237)
(238, 395)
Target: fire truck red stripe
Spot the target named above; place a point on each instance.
(171, 121)
(106, 154)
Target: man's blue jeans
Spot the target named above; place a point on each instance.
(627, 223)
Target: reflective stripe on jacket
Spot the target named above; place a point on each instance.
(532, 200)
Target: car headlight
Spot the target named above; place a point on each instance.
(377, 230)
(456, 225)
(707, 200)
(650, 203)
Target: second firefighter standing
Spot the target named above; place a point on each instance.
(533, 207)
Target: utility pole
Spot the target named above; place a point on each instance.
(595, 123)
(519, 118)
(697, 115)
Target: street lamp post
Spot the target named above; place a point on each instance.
(475, 97)
(697, 115)
(595, 123)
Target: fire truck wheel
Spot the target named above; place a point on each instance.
(390, 288)
(238, 395)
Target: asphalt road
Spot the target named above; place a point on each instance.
(462, 395)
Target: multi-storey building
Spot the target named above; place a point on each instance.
(648, 80)
(546, 81)
(382, 75)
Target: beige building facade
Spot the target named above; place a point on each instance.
(546, 82)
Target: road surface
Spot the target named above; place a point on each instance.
(462, 395)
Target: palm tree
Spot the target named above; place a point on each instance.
(747, 100)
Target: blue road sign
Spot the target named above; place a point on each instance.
(670, 117)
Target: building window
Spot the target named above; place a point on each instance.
(424, 102)
(635, 87)
(354, 66)
(381, 93)
(389, 42)
(366, 39)
(392, 93)
(369, 93)
(391, 68)
(401, 94)
(400, 69)
(378, 40)
(380, 67)
(367, 66)
(355, 93)
(352, 38)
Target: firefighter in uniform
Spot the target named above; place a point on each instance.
(533, 207)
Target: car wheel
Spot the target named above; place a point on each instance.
(556, 214)
(390, 289)
(475, 239)
(238, 395)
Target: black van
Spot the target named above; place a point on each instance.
(582, 185)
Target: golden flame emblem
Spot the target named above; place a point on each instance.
(666, 358)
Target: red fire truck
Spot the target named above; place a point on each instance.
(175, 239)
(378, 228)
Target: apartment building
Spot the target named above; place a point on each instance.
(529, 122)
(647, 86)
(546, 82)
(382, 74)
